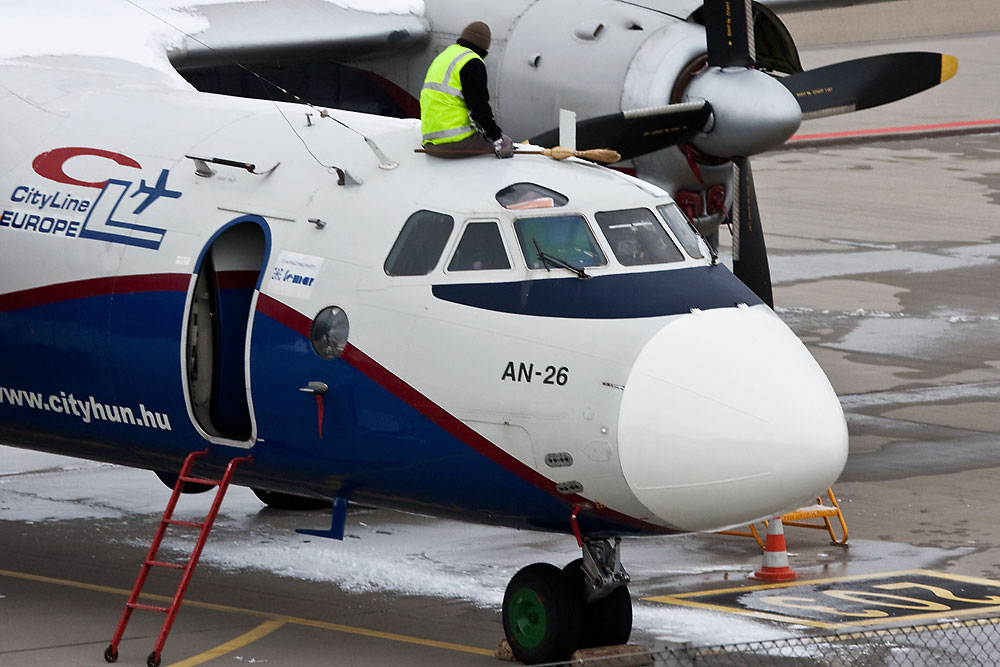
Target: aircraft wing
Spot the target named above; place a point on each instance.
(248, 32)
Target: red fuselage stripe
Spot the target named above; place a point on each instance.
(82, 289)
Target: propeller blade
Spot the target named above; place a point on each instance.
(859, 84)
(636, 132)
(749, 251)
(727, 32)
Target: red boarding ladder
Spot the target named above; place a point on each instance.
(153, 660)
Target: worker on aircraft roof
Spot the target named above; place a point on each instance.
(455, 114)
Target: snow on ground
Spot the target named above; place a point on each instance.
(399, 553)
(384, 551)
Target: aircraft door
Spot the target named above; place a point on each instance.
(217, 333)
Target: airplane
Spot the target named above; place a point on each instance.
(533, 343)
(687, 92)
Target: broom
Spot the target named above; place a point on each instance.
(605, 155)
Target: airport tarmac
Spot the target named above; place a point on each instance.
(885, 260)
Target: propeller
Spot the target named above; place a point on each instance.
(752, 114)
(758, 113)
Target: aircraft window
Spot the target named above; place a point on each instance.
(480, 249)
(636, 237)
(328, 332)
(522, 196)
(682, 229)
(563, 238)
(417, 250)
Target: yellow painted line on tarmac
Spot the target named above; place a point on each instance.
(387, 635)
(336, 627)
(261, 630)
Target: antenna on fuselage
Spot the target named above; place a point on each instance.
(383, 161)
(567, 129)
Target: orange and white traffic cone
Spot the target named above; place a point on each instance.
(775, 567)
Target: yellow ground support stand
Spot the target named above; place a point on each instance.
(805, 517)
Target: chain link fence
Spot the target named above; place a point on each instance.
(960, 643)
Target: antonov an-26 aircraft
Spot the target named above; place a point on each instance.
(525, 342)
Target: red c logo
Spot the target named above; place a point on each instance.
(50, 164)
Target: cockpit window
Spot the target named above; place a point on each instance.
(682, 229)
(480, 249)
(417, 250)
(637, 237)
(565, 238)
(522, 196)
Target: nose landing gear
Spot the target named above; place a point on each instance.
(548, 613)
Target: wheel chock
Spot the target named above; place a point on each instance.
(624, 655)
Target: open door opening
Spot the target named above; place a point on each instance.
(217, 332)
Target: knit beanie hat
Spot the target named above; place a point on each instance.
(478, 34)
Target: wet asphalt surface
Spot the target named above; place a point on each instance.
(886, 258)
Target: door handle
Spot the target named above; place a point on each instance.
(317, 389)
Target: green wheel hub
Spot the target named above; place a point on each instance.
(527, 618)
(542, 614)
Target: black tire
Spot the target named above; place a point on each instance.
(110, 653)
(287, 501)
(608, 621)
(542, 614)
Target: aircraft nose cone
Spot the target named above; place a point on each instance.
(726, 419)
(752, 112)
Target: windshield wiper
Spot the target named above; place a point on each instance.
(548, 259)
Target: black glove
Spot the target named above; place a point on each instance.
(503, 147)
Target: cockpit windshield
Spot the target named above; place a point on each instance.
(637, 237)
(480, 249)
(546, 241)
(682, 229)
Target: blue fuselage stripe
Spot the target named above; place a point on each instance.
(621, 296)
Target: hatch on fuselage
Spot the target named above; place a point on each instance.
(217, 340)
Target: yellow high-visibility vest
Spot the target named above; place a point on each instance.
(444, 116)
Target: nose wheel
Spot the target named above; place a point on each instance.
(542, 614)
(549, 613)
